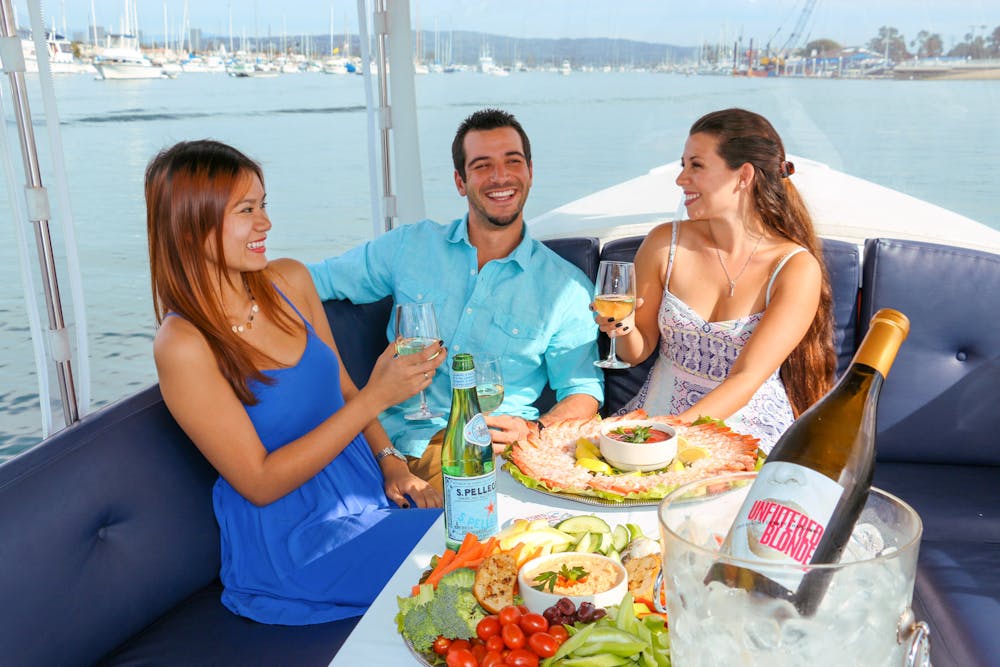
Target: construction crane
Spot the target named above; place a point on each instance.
(795, 37)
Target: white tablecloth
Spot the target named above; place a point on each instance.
(375, 640)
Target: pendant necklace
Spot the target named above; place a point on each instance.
(732, 279)
(240, 328)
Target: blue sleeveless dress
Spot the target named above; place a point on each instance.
(324, 551)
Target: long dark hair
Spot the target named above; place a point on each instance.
(188, 187)
(746, 137)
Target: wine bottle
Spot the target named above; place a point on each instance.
(467, 465)
(806, 498)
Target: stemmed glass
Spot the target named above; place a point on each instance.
(416, 328)
(489, 383)
(614, 296)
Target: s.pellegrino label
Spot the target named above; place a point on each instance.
(783, 519)
(467, 466)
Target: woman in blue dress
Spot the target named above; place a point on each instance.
(310, 492)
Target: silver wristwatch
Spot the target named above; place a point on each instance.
(390, 451)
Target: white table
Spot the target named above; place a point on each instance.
(375, 640)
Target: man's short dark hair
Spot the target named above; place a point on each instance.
(485, 119)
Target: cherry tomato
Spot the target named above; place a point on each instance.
(513, 636)
(520, 657)
(532, 623)
(495, 643)
(559, 632)
(524, 610)
(492, 659)
(543, 644)
(478, 652)
(509, 615)
(460, 645)
(441, 645)
(461, 658)
(488, 627)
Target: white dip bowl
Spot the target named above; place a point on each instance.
(606, 584)
(634, 455)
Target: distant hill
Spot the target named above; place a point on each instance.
(466, 47)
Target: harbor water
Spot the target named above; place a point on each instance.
(935, 140)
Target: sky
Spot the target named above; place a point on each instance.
(678, 22)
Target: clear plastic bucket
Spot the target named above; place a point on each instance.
(864, 617)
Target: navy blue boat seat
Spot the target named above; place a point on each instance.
(110, 554)
(843, 264)
(938, 425)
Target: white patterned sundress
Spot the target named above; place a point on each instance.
(695, 356)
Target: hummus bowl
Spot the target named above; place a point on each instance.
(605, 582)
(638, 444)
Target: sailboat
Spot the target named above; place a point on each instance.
(120, 58)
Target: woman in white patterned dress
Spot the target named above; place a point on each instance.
(735, 300)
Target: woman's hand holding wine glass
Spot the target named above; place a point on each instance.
(614, 301)
(416, 329)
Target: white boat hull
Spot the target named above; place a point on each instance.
(128, 71)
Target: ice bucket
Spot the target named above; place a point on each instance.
(864, 617)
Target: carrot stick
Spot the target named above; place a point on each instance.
(469, 542)
(415, 590)
(489, 546)
(440, 569)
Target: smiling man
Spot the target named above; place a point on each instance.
(496, 291)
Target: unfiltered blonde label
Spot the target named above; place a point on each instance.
(470, 506)
(783, 519)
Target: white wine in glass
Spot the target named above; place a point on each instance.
(614, 296)
(489, 383)
(416, 328)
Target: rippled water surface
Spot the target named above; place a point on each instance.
(934, 140)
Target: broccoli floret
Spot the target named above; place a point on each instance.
(455, 612)
(463, 577)
(451, 611)
(412, 620)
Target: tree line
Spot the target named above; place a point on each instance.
(926, 44)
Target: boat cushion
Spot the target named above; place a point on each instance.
(104, 526)
(939, 402)
(957, 592)
(201, 632)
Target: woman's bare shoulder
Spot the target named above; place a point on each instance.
(178, 341)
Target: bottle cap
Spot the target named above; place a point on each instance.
(887, 331)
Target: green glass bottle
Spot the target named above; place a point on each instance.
(809, 493)
(467, 466)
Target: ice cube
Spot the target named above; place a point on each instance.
(866, 542)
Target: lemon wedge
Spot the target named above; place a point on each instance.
(594, 465)
(691, 454)
(585, 449)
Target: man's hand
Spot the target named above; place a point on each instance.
(506, 429)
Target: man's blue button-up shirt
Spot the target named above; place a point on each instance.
(529, 308)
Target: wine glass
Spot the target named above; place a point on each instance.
(489, 383)
(614, 296)
(416, 328)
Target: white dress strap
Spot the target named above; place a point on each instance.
(673, 251)
(777, 269)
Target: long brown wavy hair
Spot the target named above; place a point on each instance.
(746, 137)
(188, 187)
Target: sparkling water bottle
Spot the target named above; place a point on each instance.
(467, 465)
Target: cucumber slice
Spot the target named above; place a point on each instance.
(583, 544)
(614, 555)
(620, 537)
(587, 523)
(634, 531)
(604, 545)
